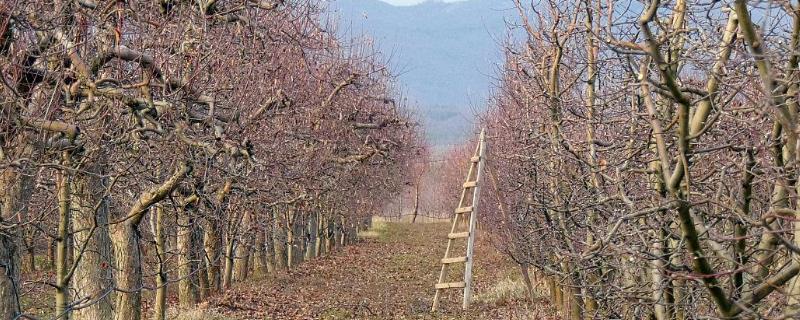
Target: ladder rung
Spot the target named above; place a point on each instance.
(464, 210)
(454, 260)
(475, 159)
(470, 184)
(450, 285)
(458, 235)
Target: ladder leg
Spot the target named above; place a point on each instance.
(468, 265)
(438, 291)
(443, 272)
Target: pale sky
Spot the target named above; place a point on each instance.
(411, 2)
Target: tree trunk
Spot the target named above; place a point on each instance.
(260, 253)
(343, 232)
(290, 252)
(330, 235)
(321, 230)
(416, 202)
(657, 278)
(230, 255)
(199, 253)
(242, 265)
(187, 265)
(62, 247)
(678, 288)
(279, 241)
(554, 292)
(526, 277)
(269, 249)
(213, 237)
(574, 300)
(12, 185)
(125, 237)
(311, 233)
(92, 280)
(160, 303)
(212, 242)
(9, 277)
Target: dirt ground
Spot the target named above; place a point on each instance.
(390, 274)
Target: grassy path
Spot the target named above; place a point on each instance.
(390, 275)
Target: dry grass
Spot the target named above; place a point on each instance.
(380, 224)
(406, 218)
(506, 291)
(378, 228)
(194, 314)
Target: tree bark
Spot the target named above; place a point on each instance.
(125, 237)
(212, 239)
(160, 302)
(526, 277)
(279, 241)
(12, 186)
(343, 232)
(416, 201)
(9, 277)
(62, 246)
(290, 241)
(187, 258)
(330, 235)
(92, 280)
(321, 231)
(242, 265)
(199, 252)
(230, 256)
(310, 235)
(260, 253)
(269, 248)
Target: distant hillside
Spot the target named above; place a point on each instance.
(445, 54)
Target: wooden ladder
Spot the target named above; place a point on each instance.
(465, 205)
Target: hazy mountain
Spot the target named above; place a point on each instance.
(445, 54)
